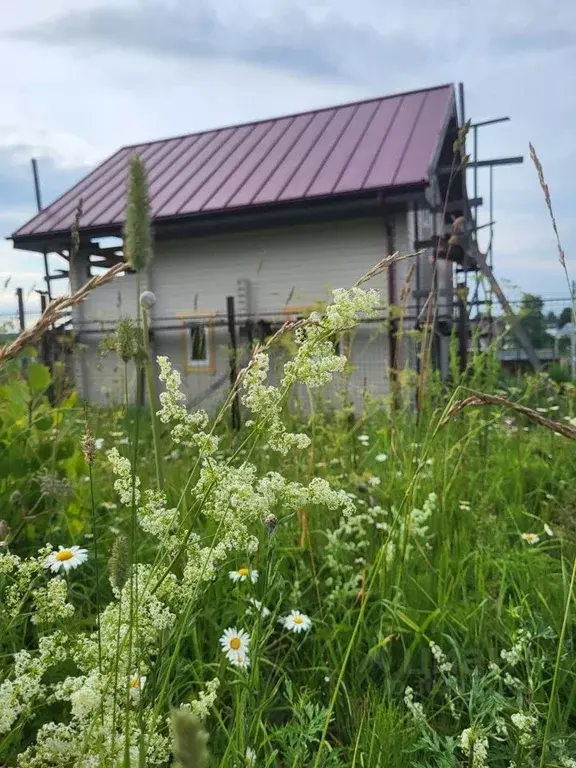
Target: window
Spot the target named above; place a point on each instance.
(198, 353)
(198, 343)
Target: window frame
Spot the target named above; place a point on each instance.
(203, 319)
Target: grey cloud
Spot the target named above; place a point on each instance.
(17, 186)
(292, 40)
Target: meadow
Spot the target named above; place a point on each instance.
(388, 587)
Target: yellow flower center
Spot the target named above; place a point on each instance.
(243, 571)
(64, 554)
(298, 619)
(135, 683)
(235, 643)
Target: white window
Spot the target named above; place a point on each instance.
(198, 342)
(198, 345)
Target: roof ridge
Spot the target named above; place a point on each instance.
(357, 102)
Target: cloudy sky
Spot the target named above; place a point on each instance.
(78, 80)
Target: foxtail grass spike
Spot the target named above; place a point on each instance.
(190, 750)
(137, 229)
(119, 565)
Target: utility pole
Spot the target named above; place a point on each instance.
(573, 334)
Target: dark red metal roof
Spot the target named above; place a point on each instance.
(376, 144)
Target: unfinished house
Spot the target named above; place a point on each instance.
(268, 217)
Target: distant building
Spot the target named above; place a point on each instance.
(273, 213)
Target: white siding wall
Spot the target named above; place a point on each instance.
(296, 265)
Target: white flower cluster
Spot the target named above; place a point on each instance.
(444, 665)
(515, 655)
(19, 695)
(187, 426)
(475, 745)
(416, 709)
(51, 603)
(265, 402)
(526, 725)
(126, 486)
(313, 365)
(205, 701)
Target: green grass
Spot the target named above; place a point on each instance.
(378, 589)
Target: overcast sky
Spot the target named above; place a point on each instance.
(78, 80)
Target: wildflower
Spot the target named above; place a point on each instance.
(240, 660)
(137, 683)
(373, 481)
(381, 457)
(531, 538)
(443, 664)
(260, 608)
(297, 622)
(464, 506)
(547, 530)
(53, 485)
(526, 725)
(243, 573)
(416, 709)
(66, 558)
(364, 439)
(235, 643)
(270, 522)
(250, 757)
(474, 745)
(98, 443)
(205, 701)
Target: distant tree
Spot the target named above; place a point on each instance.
(534, 322)
(564, 317)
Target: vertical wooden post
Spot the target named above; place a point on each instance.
(462, 295)
(235, 408)
(21, 316)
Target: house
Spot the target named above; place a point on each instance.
(274, 213)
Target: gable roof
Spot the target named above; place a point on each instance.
(381, 143)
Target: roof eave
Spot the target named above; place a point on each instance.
(365, 202)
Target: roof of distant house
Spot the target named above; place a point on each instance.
(379, 144)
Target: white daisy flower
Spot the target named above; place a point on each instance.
(242, 574)
(531, 538)
(260, 608)
(547, 530)
(235, 642)
(296, 622)
(250, 757)
(381, 457)
(137, 683)
(240, 660)
(66, 558)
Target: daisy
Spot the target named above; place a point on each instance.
(240, 660)
(296, 622)
(235, 642)
(381, 457)
(261, 609)
(531, 538)
(547, 530)
(66, 558)
(242, 574)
